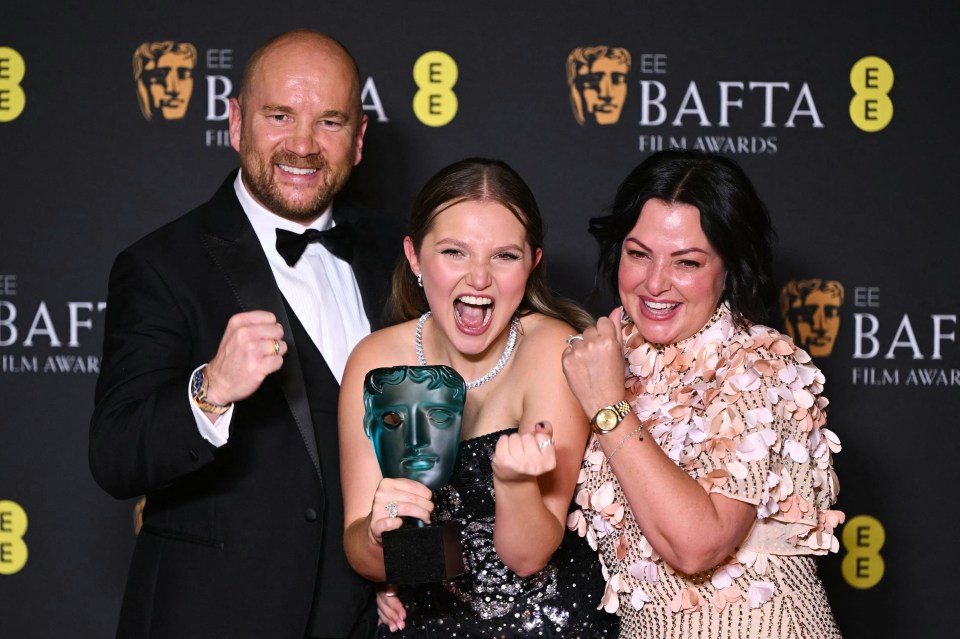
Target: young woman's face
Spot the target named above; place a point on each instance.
(475, 262)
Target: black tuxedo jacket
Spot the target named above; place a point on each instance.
(234, 538)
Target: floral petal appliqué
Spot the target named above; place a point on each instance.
(726, 596)
(760, 593)
(638, 598)
(610, 600)
(687, 600)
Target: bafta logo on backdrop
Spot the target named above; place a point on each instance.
(811, 313)
(597, 77)
(163, 72)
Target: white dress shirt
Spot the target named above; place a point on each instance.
(320, 288)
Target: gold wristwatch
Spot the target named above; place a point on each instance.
(198, 390)
(609, 417)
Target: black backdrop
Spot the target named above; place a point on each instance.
(83, 174)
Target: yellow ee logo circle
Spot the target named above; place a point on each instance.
(871, 109)
(13, 525)
(435, 73)
(863, 566)
(12, 98)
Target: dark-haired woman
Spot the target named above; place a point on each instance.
(708, 477)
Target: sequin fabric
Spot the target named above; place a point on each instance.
(490, 600)
(741, 411)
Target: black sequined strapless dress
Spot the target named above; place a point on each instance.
(489, 599)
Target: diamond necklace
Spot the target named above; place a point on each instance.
(480, 381)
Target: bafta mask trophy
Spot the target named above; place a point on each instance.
(412, 417)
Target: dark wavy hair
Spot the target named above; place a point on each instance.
(480, 180)
(733, 218)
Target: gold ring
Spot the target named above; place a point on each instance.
(276, 347)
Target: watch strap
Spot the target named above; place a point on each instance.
(199, 384)
(622, 407)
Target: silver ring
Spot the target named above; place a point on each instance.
(387, 593)
(545, 443)
(276, 347)
(392, 509)
(572, 338)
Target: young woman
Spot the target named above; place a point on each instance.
(472, 295)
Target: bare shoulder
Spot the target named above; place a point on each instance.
(542, 332)
(392, 346)
(541, 382)
(544, 339)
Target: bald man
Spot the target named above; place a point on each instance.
(226, 336)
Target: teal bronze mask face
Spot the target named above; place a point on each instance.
(413, 417)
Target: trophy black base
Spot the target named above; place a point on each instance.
(415, 555)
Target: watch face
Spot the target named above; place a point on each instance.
(607, 419)
(196, 382)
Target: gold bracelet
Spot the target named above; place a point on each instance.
(624, 441)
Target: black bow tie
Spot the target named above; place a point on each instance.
(338, 240)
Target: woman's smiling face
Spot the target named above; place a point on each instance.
(670, 277)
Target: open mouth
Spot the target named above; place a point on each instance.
(473, 314)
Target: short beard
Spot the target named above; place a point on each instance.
(259, 180)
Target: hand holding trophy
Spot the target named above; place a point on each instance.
(413, 416)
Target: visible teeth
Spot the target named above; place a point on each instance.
(659, 306)
(296, 170)
(476, 301)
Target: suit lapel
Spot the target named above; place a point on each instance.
(368, 264)
(234, 247)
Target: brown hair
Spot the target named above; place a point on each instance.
(482, 180)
